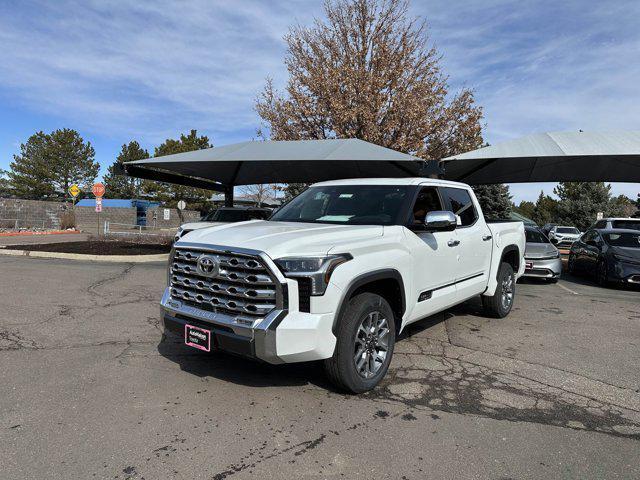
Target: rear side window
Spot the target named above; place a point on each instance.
(459, 202)
(600, 224)
(628, 224)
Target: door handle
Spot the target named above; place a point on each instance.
(453, 243)
(486, 238)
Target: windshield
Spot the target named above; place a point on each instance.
(628, 224)
(630, 240)
(345, 204)
(227, 215)
(535, 236)
(568, 230)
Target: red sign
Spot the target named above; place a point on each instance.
(98, 189)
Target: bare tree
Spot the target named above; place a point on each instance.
(369, 72)
(260, 193)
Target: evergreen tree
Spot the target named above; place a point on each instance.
(545, 210)
(120, 186)
(526, 209)
(48, 164)
(495, 200)
(171, 194)
(581, 201)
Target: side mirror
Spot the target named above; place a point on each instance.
(441, 221)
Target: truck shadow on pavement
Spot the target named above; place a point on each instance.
(240, 370)
(433, 375)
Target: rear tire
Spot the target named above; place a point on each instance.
(366, 334)
(500, 303)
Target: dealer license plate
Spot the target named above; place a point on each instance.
(197, 337)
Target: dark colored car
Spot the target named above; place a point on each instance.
(612, 255)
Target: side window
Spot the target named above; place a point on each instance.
(427, 201)
(600, 224)
(589, 236)
(459, 202)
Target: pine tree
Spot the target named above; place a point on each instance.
(48, 164)
(495, 200)
(120, 186)
(171, 194)
(581, 201)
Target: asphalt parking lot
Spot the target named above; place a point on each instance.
(92, 389)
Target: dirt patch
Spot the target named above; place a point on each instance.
(97, 247)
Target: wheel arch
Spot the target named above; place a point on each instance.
(511, 255)
(386, 282)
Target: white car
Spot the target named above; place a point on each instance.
(563, 236)
(338, 272)
(611, 223)
(222, 216)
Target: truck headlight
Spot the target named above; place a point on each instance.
(317, 269)
(172, 254)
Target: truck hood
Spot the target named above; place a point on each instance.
(281, 239)
(198, 225)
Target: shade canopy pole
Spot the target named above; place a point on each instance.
(228, 196)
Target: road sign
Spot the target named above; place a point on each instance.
(182, 205)
(167, 214)
(599, 216)
(98, 189)
(98, 204)
(74, 190)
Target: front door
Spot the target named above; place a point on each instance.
(434, 259)
(474, 251)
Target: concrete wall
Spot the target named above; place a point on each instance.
(30, 213)
(87, 219)
(39, 214)
(176, 218)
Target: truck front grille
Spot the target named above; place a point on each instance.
(240, 285)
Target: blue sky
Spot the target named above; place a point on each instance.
(148, 70)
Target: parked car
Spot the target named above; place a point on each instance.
(563, 236)
(541, 258)
(612, 255)
(546, 228)
(338, 272)
(223, 216)
(609, 223)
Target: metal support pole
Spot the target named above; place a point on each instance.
(228, 196)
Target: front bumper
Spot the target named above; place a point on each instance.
(543, 268)
(624, 272)
(283, 336)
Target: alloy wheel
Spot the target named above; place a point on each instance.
(507, 289)
(371, 344)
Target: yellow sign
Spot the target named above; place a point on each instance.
(74, 190)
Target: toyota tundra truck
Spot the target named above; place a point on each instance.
(337, 273)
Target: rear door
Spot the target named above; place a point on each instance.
(435, 260)
(474, 250)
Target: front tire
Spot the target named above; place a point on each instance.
(366, 336)
(500, 303)
(602, 273)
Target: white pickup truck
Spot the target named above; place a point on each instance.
(338, 272)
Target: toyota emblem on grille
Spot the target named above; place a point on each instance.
(208, 266)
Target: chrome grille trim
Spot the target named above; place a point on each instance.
(245, 287)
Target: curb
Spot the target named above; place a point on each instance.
(160, 257)
(29, 234)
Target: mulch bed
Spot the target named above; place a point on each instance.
(94, 247)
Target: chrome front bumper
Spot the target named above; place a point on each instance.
(260, 339)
